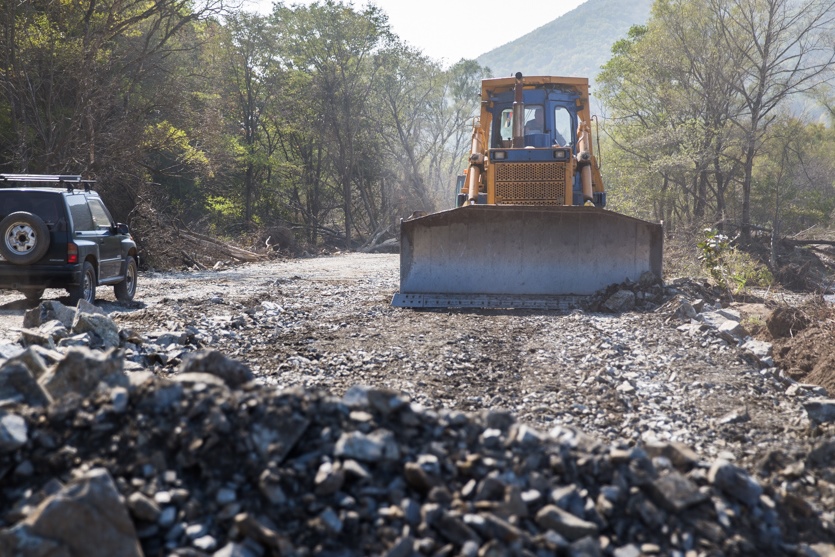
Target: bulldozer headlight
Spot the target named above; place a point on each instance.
(561, 154)
(499, 155)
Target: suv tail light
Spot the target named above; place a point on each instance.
(72, 253)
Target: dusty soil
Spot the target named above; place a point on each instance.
(326, 323)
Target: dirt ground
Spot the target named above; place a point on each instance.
(327, 324)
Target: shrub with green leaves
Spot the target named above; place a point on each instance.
(729, 267)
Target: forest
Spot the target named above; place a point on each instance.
(319, 120)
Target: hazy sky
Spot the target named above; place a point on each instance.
(449, 30)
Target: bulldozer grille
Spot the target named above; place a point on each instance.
(530, 183)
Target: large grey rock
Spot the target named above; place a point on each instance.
(38, 359)
(674, 492)
(99, 325)
(564, 523)
(715, 319)
(35, 337)
(680, 455)
(620, 301)
(82, 370)
(375, 446)
(732, 331)
(820, 410)
(233, 372)
(18, 385)
(734, 481)
(758, 348)
(13, 432)
(8, 351)
(54, 329)
(83, 306)
(86, 518)
(47, 311)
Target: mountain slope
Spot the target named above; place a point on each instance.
(575, 44)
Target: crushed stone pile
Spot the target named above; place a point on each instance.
(212, 464)
(99, 458)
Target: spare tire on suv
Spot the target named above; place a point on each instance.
(25, 238)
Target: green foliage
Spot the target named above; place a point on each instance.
(714, 248)
(728, 267)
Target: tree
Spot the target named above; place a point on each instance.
(249, 52)
(783, 48)
(336, 46)
(84, 81)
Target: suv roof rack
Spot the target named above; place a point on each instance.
(68, 179)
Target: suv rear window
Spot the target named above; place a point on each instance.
(47, 206)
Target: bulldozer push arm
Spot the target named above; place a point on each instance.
(529, 227)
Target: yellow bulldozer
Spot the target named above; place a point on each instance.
(529, 228)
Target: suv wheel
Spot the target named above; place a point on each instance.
(87, 289)
(33, 294)
(127, 288)
(25, 238)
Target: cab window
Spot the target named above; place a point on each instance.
(562, 126)
(505, 128)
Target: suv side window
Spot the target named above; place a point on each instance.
(101, 218)
(81, 217)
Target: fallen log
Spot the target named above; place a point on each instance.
(224, 248)
(808, 242)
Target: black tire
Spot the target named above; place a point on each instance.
(126, 289)
(25, 238)
(87, 289)
(33, 294)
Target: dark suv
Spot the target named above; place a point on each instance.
(57, 233)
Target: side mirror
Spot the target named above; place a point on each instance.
(122, 228)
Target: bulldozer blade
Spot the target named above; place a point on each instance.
(521, 257)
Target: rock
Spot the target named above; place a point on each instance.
(674, 492)
(732, 331)
(759, 349)
(35, 337)
(101, 326)
(735, 482)
(13, 432)
(54, 329)
(329, 478)
(235, 550)
(18, 385)
(82, 370)
(47, 311)
(83, 306)
(85, 518)
(564, 523)
(143, 508)
(8, 351)
(680, 455)
(621, 301)
(737, 416)
(367, 448)
(820, 410)
(231, 371)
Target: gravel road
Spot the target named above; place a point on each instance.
(326, 323)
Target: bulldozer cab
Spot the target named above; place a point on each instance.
(532, 145)
(552, 123)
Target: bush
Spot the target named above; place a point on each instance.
(730, 268)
